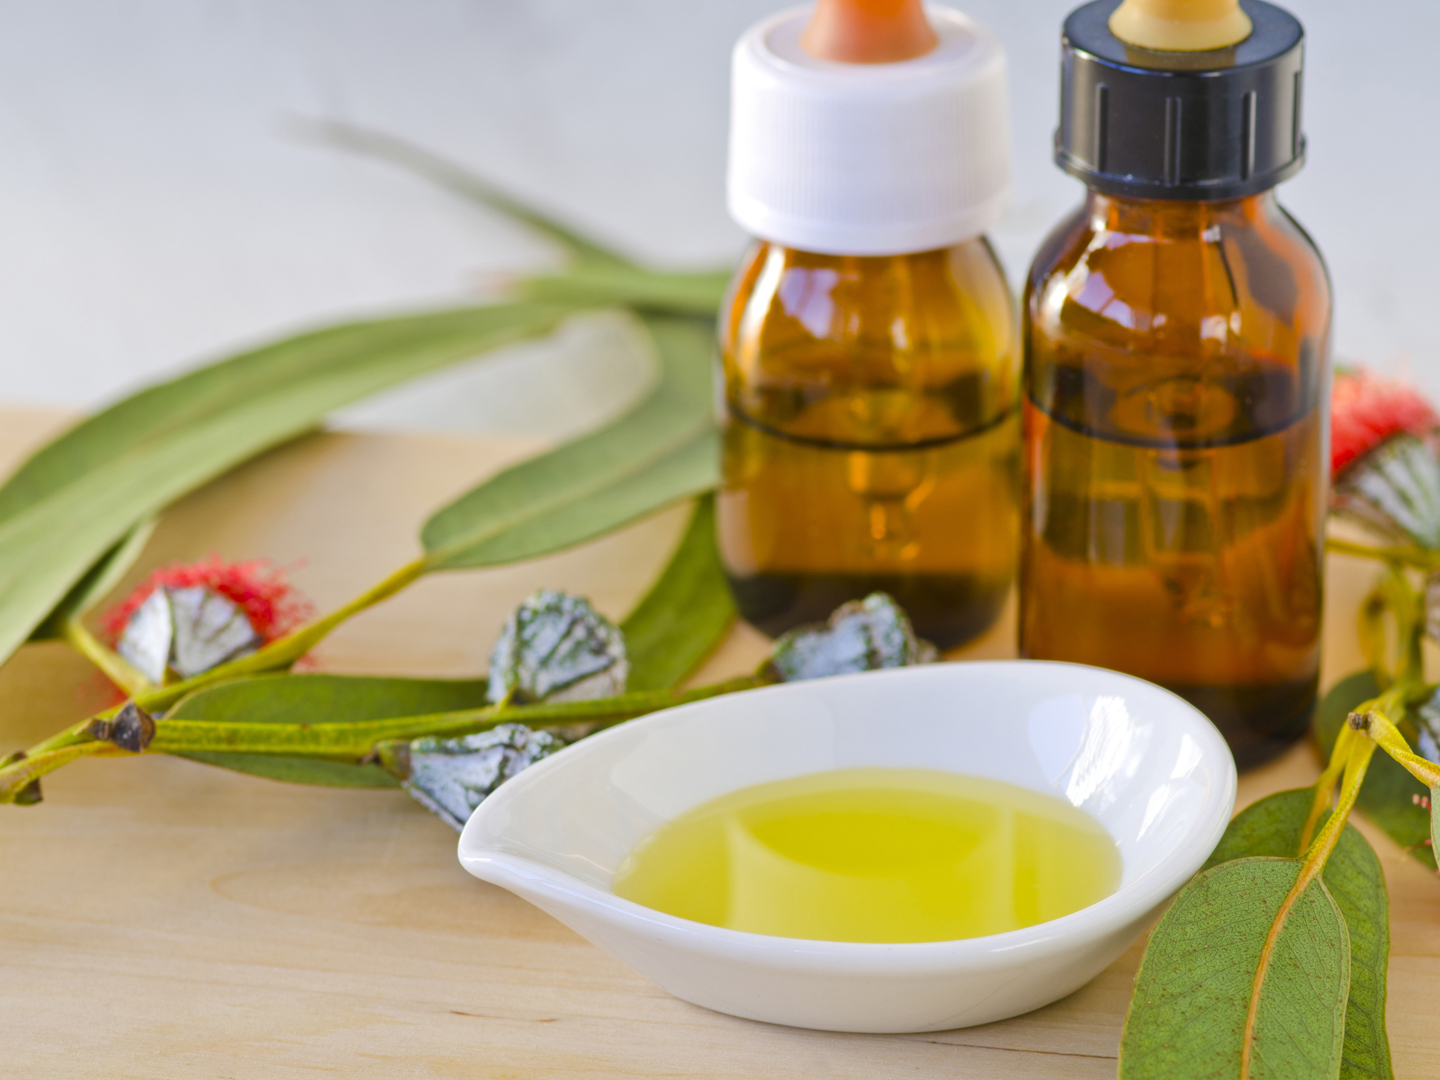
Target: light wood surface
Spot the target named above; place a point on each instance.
(163, 919)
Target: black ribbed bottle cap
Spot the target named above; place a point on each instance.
(1218, 124)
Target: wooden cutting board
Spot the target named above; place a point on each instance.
(159, 918)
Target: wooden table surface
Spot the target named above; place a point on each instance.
(159, 918)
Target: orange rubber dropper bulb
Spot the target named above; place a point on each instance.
(868, 31)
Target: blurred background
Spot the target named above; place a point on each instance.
(157, 208)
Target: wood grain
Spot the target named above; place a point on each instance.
(162, 919)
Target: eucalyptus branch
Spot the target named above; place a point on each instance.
(347, 741)
(355, 741)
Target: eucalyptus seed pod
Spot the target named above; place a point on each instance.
(1383, 457)
(451, 777)
(556, 647)
(862, 635)
(185, 631)
(1395, 489)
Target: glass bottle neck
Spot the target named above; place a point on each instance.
(1156, 217)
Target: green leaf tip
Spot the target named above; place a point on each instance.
(454, 177)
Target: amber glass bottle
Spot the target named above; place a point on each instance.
(870, 435)
(869, 347)
(1176, 337)
(1174, 455)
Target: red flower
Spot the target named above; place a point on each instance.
(257, 587)
(1366, 410)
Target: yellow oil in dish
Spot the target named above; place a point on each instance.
(874, 855)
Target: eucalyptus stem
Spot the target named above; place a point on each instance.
(342, 740)
(1415, 557)
(116, 668)
(354, 741)
(1382, 731)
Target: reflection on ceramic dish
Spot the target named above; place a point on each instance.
(1147, 765)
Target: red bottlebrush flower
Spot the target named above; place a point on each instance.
(1366, 410)
(259, 588)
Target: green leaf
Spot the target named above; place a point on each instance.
(97, 582)
(76, 498)
(1272, 827)
(663, 450)
(295, 770)
(600, 275)
(315, 699)
(1188, 1016)
(1434, 819)
(1388, 796)
(697, 293)
(456, 178)
(686, 613)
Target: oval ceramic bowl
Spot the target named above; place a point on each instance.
(1147, 765)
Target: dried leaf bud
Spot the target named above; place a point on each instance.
(556, 647)
(863, 635)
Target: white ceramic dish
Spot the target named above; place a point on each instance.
(1142, 761)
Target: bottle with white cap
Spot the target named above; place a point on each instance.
(869, 346)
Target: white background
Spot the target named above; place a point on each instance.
(154, 212)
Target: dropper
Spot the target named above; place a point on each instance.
(1180, 25)
(868, 31)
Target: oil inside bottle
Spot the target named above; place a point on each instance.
(875, 854)
(1195, 568)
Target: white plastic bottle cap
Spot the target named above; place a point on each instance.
(868, 159)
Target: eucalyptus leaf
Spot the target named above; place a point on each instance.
(1434, 819)
(1188, 1016)
(686, 613)
(664, 450)
(695, 293)
(456, 178)
(274, 699)
(1272, 827)
(98, 582)
(1389, 794)
(556, 647)
(75, 499)
(295, 770)
(600, 275)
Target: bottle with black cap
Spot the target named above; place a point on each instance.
(1176, 334)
